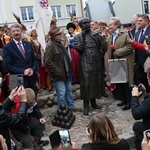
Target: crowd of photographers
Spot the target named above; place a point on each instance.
(132, 43)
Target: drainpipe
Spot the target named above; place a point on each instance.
(88, 11)
(111, 8)
(142, 6)
(82, 9)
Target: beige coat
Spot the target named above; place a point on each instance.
(123, 49)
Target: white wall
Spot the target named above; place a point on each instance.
(99, 10)
(125, 9)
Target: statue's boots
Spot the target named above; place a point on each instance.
(86, 107)
(94, 105)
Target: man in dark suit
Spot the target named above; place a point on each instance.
(140, 56)
(19, 58)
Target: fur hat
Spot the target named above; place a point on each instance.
(54, 31)
(102, 22)
(70, 25)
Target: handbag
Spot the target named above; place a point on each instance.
(118, 70)
(147, 65)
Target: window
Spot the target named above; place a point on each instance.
(71, 9)
(56, 11)
(146, 8)
(27, 13)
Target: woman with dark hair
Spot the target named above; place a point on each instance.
(103, 136)
(74, 56)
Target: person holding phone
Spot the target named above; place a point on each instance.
(31, 132)
(102, 135)
(7, 119)
(60, 140)
(145, 142)
(140, 111)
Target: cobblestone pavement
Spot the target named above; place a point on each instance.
(122, 120)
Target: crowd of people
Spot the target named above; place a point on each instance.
(79, 56)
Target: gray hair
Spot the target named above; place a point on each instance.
(17, 25)
(116, 21)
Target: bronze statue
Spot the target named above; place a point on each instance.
(91, 71)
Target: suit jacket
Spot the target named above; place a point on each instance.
(140, 56)
(15, 63)
(133, 33)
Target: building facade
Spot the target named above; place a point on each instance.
(62, 9)
(124, 9)
(25, 10)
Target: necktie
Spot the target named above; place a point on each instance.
(112, 50)
(22, 50)
(112, 43)
(141, 36)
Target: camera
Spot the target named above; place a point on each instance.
(147, 38)
(147, 132)
(61, 136)
(20, 80)
(140, 88)
(16, 80)
(65, 137)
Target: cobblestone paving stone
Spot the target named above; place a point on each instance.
(122, 120)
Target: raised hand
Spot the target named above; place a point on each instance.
(22, 94)
(13, 94)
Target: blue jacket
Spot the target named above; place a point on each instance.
(15, 63)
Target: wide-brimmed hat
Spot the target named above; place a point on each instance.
(55, 31)
(70, 25)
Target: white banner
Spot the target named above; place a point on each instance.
(43, 17)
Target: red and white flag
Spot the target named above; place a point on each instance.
(43, 17)
(110, 86)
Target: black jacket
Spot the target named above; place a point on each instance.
(121, 145)
(24, 127)
(7, 119)
(141, 111)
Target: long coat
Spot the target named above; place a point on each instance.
(123, 49)
(90, 65)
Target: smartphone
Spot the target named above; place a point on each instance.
(15, 80)
(65, 137)
(147, 132)
(20, 80)
(147, 38)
